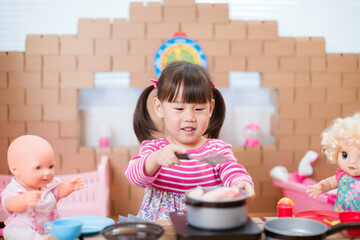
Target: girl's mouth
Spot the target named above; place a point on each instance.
(188, 129)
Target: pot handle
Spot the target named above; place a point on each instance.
(342, 226)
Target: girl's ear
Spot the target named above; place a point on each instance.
(158, 108)
(212, 105)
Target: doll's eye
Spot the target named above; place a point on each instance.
(38, 168)
(344, 155)
(51, 166)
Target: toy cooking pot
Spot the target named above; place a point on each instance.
(301, 228)
(216, 214)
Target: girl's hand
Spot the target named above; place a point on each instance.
(31, 198)
(315, 190)
(166, 156)
(248, 188)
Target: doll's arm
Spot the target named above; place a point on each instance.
(20, 202)
(70, 186)
(322, 186)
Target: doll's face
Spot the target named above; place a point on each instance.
(349, 160)
(31, 160)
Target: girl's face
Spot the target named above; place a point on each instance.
(35, 171)
(349, 160)
(185, 122)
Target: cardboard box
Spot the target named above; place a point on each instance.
(151, 13)
(262, 30)
(310, 46)
(118, 161)
(309, 95)
(4, 114)
(342, 95)
(73, 80)
(53, 63)
(325, 111)
(341, 62)
(229, 63)
(286, 95)
(144, 47)
(24, 80)
(94, 28)
(50, 79)
(94, 64)
(212, 13)
(349, 109)
(283, 46)
(129, 63)
(3, 80)
(294, 64)
(69, 96)
(111, 47)
(262, 64)
(318, 64)
(161, 30)
(351, 80)
(234, 30)
(122, 29)
(141, 79)
(302, 80)
(326, 80)
(4, 144)
(248, 157)
(179, 14)
(245, 48)
(60, 112)
(309, 127)
(72, 45)
(215, 47)
(285, 127)
(81, 161)
(278, 80)
(12, 96)
(198, 30)
(42, 45)
(294, 111)
(12, 129)
(179, 3)
(33, 63)
(291, 143)
(220, 79)
(43, 129)
(69, 129)
(64, 145)
(12, 61)
(273, 157)
(42, 96)
(25, 113)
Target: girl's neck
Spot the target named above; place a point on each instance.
(188, 146)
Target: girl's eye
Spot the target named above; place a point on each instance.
(199, 109)
(344, 155)
(38, 168)
(51, 166)
(179, 109)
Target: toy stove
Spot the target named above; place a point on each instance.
(249, 231)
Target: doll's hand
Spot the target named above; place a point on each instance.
(315, 190)
(31, 198)
(248, 188)
(76, 183)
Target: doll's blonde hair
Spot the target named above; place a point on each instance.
(343, 131)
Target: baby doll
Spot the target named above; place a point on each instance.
(341, 144)
(31, 196)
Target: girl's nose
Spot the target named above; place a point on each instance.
(189, 115)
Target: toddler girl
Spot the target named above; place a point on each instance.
(193, 111)
(341, 144)
(31, 196)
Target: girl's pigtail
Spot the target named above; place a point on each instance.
(142, 122)
(218, 115)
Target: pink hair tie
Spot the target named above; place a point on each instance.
(154, 81)
(212, 84)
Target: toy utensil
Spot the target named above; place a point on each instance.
(212, 158)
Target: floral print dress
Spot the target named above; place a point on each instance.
(158, 204)
(348, 197)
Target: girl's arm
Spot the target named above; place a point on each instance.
(19, 203)
(70, 186)
(322, 186)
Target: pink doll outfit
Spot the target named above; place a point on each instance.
(30, 223)
(348, 196)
